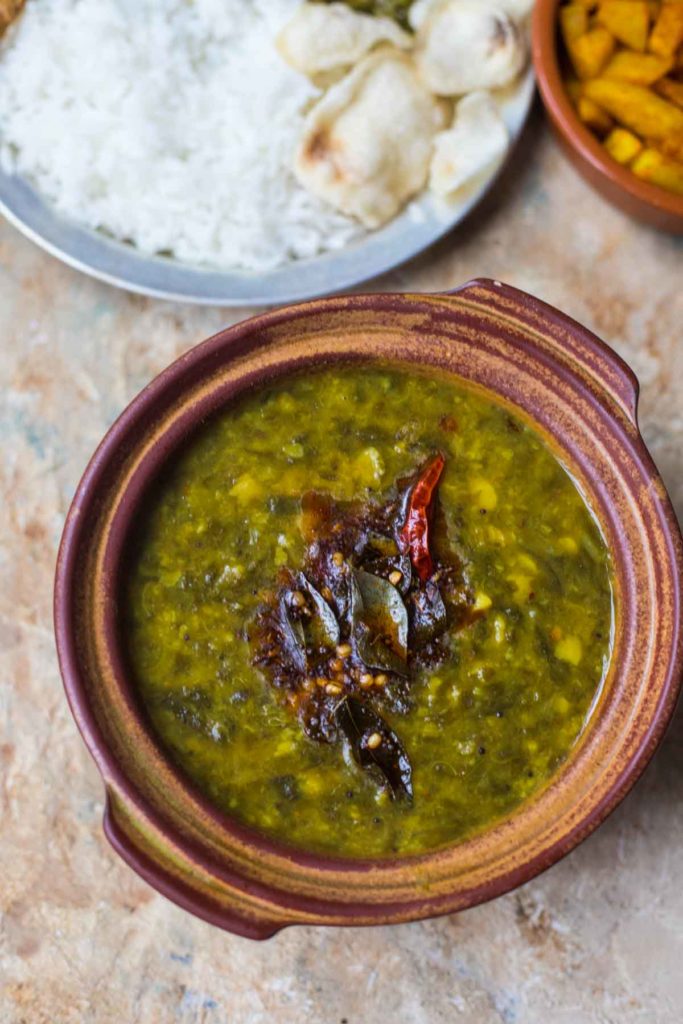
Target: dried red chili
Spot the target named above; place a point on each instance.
(414, 535)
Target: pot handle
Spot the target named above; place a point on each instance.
(571, 339)
(148, 863)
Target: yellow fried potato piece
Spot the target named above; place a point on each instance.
(623, 145)
(639, 68)
(671, 90)
(573, 22)
(627, 20)
(671, 145)
(638, 108)
(591, 51)
(667, 35)
(658, 169)
(594, 116)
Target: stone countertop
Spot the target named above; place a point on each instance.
(598, 939)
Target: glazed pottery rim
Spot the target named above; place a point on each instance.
(575, 134)
(114, 774)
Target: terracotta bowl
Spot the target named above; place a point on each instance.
(647, 202)
(582, 398)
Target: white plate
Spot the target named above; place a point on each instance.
(125, 266)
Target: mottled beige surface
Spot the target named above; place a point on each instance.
(598, 939)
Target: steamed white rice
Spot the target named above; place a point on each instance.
(168, 123)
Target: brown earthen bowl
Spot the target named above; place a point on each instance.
(638, 198)
(582, 398)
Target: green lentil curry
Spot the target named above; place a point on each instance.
(490, 710)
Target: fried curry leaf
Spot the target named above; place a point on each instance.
(429, 618)
(361, 726)
(321, 628)
(381, 557)
(384, 611)
(374, 653)
(293, 637)
(374, 633)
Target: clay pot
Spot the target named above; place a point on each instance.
(582, 398)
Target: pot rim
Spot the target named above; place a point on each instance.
(624, 395)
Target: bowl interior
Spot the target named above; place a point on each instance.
(581, 398)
